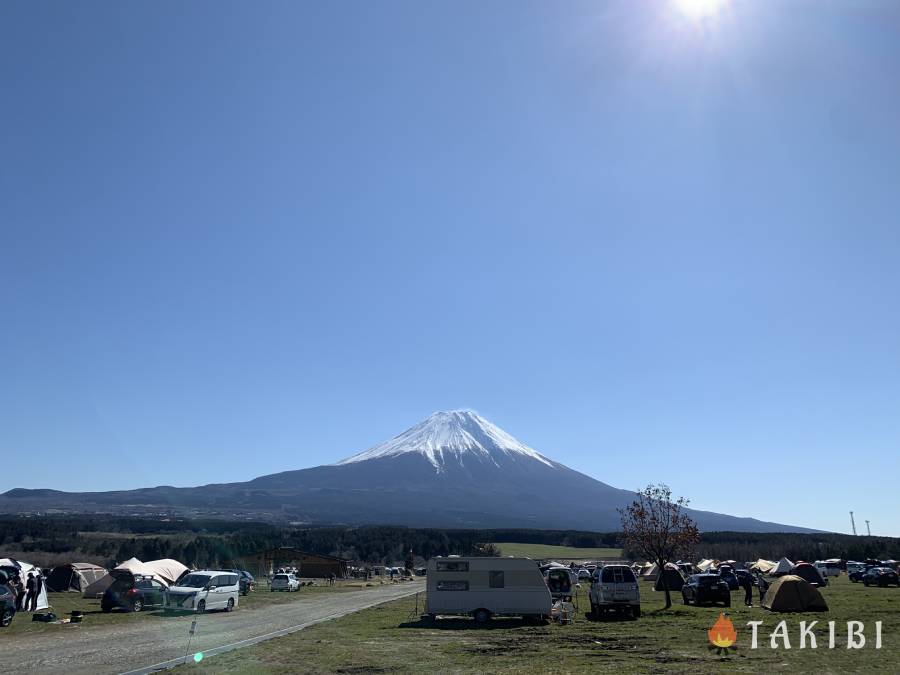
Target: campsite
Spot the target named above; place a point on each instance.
(672, 641)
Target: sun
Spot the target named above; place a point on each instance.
(698, 9)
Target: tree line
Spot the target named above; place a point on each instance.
(109, 540)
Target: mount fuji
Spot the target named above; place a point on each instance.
(453, 469)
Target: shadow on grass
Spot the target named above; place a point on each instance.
(471, 624)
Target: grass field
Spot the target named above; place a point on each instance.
(545, 551)
(391, 638)
(62, 604)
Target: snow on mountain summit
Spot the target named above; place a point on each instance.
(451, 434)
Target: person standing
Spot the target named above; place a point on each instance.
(39, 586)
(19, 590)
(747, 584)
(30, 596)
(763, 586)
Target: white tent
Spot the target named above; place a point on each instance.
(166, 570)
(23, 569)
(783, 566)
(706, 564)
(763, 565)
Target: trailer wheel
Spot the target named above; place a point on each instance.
(481, 615)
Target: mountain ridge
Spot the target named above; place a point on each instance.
(453, 469)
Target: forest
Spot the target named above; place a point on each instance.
(108, 540)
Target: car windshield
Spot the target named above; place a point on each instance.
(194, 581)
(281, 577)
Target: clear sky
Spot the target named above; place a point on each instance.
(652, 243)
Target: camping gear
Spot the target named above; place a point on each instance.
(44, 617)
(76, 616)
(75, 577)
(98, 588)
(790, 593)
(673, 577)
(165, 570)
(783, 566)
(809, 572)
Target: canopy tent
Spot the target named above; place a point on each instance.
(12, 567)
(707, 564)
(763, 565)
(98, 588)
(790, 593)
(650, 572)
(74, 577)
(672, 575)
(166, 570)
(783, 566)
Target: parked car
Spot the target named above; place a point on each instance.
(247, 582)
(284, 582)
(7, 606)
(615, 588)
(706, 588)
(880, 576)
(584, 575)
(204, 590)
(828, 568)
(133, 593)
(726, 572)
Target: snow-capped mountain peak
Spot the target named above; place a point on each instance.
(452, 434)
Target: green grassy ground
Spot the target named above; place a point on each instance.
(545, 551)
(62, 604)
(392, 638)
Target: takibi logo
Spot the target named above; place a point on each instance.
(722, 634)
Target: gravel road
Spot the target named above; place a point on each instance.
(154, 641)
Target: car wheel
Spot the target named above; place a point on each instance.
(684, 599)
(137, 605)
(482, 616)
(201, 607)
(7, 617)
(865, 582)
(636, 612)
(230, 606)
(106, 609)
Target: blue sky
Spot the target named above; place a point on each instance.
(264, 236)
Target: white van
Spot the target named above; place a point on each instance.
(828, 568)
(486, 587)
(203, 590)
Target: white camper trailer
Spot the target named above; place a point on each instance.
(486, 587)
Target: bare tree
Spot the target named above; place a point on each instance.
(659, 529)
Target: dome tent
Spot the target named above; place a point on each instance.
(790, 593)
(672, 575)
(75, 577)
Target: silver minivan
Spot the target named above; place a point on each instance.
(204, 590)
(615, 588)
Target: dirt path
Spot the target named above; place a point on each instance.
(160, 641)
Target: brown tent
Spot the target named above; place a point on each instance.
(790, 593)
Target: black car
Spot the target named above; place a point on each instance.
(133, 593)
(880, 576)
(706, 588)
(7, 606)
(247, 582)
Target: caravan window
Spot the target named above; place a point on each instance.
(452, 565)
(496, 579)
(453, 585)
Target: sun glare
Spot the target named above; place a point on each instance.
(698, 9)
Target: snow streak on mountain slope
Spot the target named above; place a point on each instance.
(453, 434)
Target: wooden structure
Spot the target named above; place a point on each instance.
(311, 565)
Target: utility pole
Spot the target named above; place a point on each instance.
(868, 529)
(853, 523)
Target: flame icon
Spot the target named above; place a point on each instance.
(722, 633)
